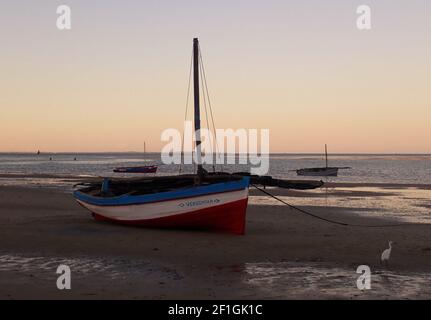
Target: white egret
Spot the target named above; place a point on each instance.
(386, 255)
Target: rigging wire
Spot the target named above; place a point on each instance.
(206, 110)
(210, 107)
(186, 113)
(345, 224)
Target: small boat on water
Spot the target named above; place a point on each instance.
(141, 169)
(321, 171)
(211, 201)
(318, 172)
(138, 169)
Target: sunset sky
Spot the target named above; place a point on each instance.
(299, 68)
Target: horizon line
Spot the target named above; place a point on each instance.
(270, 153)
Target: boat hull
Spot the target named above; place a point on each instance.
(219, 211)
(229, 218)
(145, 169)
(318, 172)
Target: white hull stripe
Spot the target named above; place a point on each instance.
(165, 208)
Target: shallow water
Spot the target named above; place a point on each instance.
(81, 267)
(408, 204)
(314, 281)
(283, 280)
(365, 168)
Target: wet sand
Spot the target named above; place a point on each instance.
(283, 255)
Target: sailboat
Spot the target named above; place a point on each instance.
(138, 169)
(211, 201)
(321, 171)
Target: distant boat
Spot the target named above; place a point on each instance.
(209, 201)
(138, 169)
(321, 171)
(141, 169)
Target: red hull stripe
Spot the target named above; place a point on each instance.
(228, 217)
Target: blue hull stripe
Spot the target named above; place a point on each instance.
(164, 196)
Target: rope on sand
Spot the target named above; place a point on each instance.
(345, 224)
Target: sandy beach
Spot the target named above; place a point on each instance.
(284, 254)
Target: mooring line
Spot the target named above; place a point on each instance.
(345, 224)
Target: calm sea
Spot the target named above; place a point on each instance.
(366, 168)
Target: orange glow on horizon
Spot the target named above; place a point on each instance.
(119, 77)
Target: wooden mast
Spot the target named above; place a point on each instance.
(326, 155)
(197, 118)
